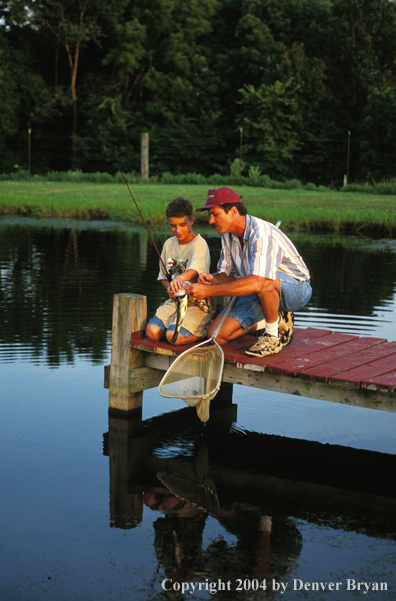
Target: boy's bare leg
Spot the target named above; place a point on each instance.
(154, 332)
(181, 339)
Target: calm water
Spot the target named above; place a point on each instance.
(286, 489)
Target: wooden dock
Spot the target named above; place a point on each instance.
(319, 364)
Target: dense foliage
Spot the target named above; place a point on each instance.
(278, 83)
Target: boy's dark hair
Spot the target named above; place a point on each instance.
(180, 207)
(242, 210)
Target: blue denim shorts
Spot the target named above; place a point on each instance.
(155, 321)
(294, 295)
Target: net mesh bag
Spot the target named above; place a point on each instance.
(195, 377)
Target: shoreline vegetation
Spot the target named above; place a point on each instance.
(352, 210)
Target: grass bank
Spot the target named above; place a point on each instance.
(300, 210)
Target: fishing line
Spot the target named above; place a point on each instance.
(125, 172)
(145, 210)
(122, 168)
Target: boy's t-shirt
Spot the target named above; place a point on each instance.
(197, 255)
(195, 252)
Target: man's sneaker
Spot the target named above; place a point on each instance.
(265, 345)
(285, 327)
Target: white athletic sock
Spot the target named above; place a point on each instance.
(272, 328)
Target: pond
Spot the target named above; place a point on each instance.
(295, 496)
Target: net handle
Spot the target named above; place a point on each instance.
(178, 359)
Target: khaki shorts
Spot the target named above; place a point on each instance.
(195, 320)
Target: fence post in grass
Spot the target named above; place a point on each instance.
(129, 321)
(145, 156)
(348, 154)
(30, 151)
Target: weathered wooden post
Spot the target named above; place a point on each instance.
(129, 321)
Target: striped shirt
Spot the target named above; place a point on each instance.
(265, 251)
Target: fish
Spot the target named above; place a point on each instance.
(177, 266)
(182, 303)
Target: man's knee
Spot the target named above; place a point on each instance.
(270, 286)
(229, 331)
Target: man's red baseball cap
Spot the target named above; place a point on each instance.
(220, 196)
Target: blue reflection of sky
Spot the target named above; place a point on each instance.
(57, 542)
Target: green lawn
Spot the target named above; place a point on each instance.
(299, 210)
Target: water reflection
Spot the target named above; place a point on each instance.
(254, 543)
(56, 287)
(57, 280)
(255, 487)
(58, 277)
(229, 499)
(354, 285)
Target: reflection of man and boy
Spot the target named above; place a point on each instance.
(258, 264)
(264, 546)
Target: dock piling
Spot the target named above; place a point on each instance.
(129, 322)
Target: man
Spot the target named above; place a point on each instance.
(259, 264)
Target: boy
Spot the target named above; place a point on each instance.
(191, 251)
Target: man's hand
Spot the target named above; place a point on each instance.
(199, 291)
(211, 285)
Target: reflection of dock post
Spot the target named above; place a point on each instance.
(223, 398)
(126, 508)
(129, 321)
(143, 238)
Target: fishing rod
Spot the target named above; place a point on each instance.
(120, 161)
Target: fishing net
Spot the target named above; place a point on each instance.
(196, 487)
(195, 377)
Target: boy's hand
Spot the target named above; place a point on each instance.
(205, 278)
(175, 285)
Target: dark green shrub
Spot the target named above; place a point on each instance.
(362, 189)
(310, 186)
(385, 189)
(292, 184)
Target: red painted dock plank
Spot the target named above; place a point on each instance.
(279, 363)
(379, 367)
(323, 373)
(283, 362)
(150, 345)
(304, 366)
(386, 382)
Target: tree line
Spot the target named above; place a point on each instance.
(288, 88)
